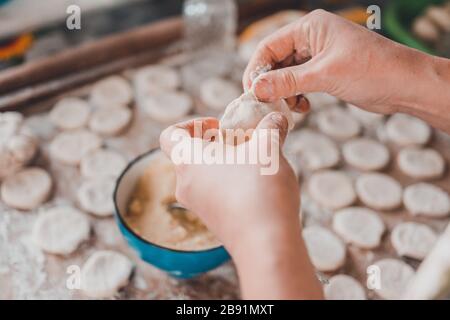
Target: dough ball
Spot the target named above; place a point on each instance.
(359, 226)
(26, 189)
(331, 189)
(379, 191)
(426, 30)
(327, 252)
(343, 287)
(18, 145)
(110, 121)
(166, 106)
(366, 118)
(421, 163)
(365, 154)
(216, 93)
(70, 146)
(61, 230)
(413, 240)
(102, 163)
(427, 200)
(320, 100)
(153, 78)
(439, 16)
(316, 150)
(70, 113)
(395, 276)
(337, 123)
(113, 91)
(406, 130)
(105, 273)
(96, 196)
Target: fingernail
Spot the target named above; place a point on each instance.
(280, 120)
(304, 105)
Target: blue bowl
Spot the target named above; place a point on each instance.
(177, 263)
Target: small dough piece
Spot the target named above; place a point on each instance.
(166, 106)
(113, 91)
(395, 276)
(426, 30)
(70, 146)
(365, 154)
(426, 200)
(96, 196)
(153, 78)
(379, 191)
(337, 123)
(320, 100)
(327, 252)
(421, 163)
(61, 230)
(104, 273)
(406, 130)
(439, 16)
(316, 150)
(413, 240)
(359, 226)
(216, 93)
(343, 287)
(70, 113)
(102, 163)
(366, 118)
(26, 189)
(110, 121)
(331, 189)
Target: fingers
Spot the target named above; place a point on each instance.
(276, 121)
(299, 104)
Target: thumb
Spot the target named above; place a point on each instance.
(278, 125)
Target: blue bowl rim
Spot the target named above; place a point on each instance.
(123, 222)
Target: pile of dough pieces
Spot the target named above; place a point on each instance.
(341, 153)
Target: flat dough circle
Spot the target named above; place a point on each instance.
(379, 191)
(26, 189)
(426, 200)
(331, 189)
(153, 78)
(413, 240)
(366, 118)
(104, 273)
(96, 196)
(216, 93)
(61, 230)
(166, 106)
(316, 150)
(365, 154)
(337, 123)
(327, 252)
(102, 162)
(343, 287)
(70, 146)
(359, 226)
(110, 121)
(406, 130)
(421, 163)
(111, 92)
(395, 276)
(70, 113)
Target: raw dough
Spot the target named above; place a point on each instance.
(113, 91)
(166, 106)
(439, 16)
(96, 196)
(331, 189)
(343, 287)
(316, 150)
(406, 130)
(413, 240)
(365, 154)
(216, 93)
(70, 146)
(110, 121)
(359, 226)
(427, 200)
(70, 113)
(421, 163)
(395, 276)
(320, 100)
(327, 252)
(102, 162)
(153, 78)
(366, 118)
(379, 191)
(426, 30)
(105, 273)
(61, 230)
(337, 123)
(26, 189)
